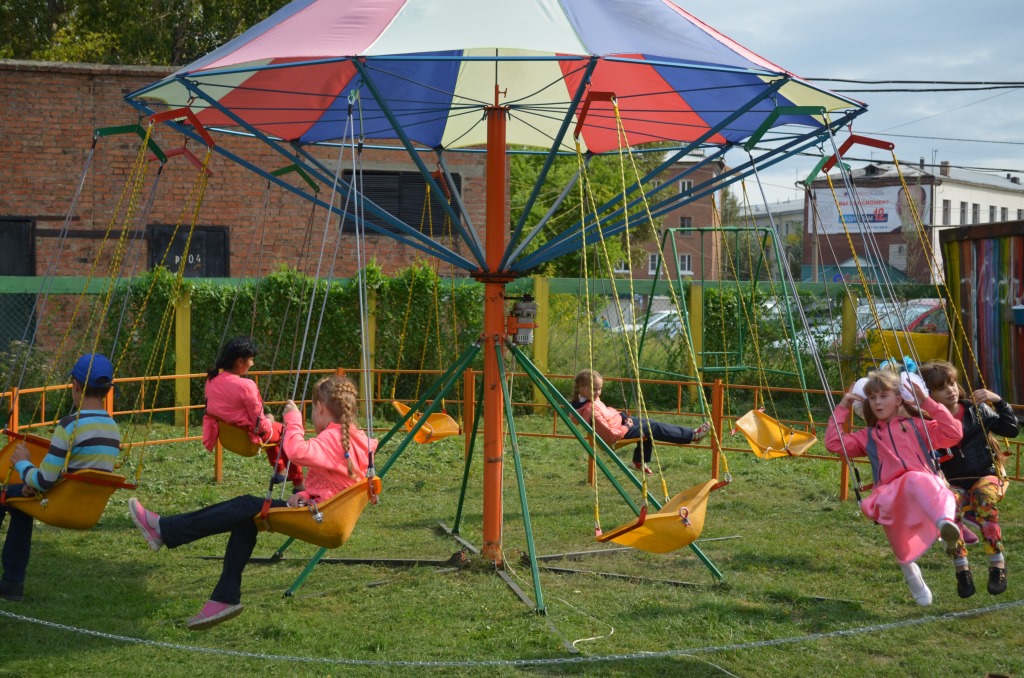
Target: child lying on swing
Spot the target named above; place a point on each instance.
(233, 399)
(910, 500)
(337, 459)
(612, 426)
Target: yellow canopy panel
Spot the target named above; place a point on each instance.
(677, 524)
(769, 438)
(437, 426)
(78, 499)
(328, 525)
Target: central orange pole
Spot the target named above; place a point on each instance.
(494, 330)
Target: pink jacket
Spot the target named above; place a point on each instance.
(899, 445)
(235, 400)
(324, 455)
(607, 421)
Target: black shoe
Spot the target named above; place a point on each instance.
(965, 583)
(16, 592)
(996, 580)
(277, 479)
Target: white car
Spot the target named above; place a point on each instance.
(638, 327)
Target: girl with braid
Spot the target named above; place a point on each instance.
(336, 459)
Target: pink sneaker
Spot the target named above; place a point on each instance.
(968, 536)
(701, 432)
(646, 469)
(212, 614)
(147, 522)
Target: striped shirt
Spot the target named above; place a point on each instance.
(95, 442)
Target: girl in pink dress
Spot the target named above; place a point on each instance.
(910, 500)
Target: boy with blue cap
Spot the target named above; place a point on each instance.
(87, 438)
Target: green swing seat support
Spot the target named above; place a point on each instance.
(768, 240)
(579, 428)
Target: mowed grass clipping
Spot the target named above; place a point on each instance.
(797, 562)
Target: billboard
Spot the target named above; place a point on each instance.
(882, 209)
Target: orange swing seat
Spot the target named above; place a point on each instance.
(328, 525)
(75, 502)
(769, 438)
(677, 524)
(438, 426)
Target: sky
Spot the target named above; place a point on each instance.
(928, 40)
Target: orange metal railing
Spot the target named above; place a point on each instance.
(464, 401)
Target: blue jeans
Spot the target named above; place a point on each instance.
(234, 516)
(18, 545)
(662, 432)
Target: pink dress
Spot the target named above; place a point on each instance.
(908, 498)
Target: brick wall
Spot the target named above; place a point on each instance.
(48, 113)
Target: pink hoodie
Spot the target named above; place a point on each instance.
(607, 421)
(235, 400)
(324, 455)
(895, 446)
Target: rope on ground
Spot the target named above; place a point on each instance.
(546, 661)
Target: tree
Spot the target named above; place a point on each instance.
(604, 182)
(156, 32)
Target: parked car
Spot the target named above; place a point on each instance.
(924, 324)
(639, 326)
(669, 325)
(904, 316)
(826, 336)
(918, 316)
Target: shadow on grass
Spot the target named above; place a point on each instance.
(105, 594)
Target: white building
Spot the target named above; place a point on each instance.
(902, 224)
(787, 216)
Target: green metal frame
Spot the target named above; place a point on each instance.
(578, 427)
(668, 237)
(520, 480)
(477, 415)
(441, 386)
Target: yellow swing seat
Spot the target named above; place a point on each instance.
(75, 502)
(677, 524)
(437, 426)
(769, 438)
(328, 525)
(236, 439)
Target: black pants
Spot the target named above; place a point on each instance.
(18, 545)
(665, 433)
(234, 516)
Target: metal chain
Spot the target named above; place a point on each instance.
(549, 661)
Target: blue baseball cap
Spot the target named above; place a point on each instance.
(100, 374)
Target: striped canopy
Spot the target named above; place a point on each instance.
(426, 69)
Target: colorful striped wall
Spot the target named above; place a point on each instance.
(985, 274)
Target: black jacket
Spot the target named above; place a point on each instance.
(972, 458)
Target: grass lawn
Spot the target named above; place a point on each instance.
(797, 562)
